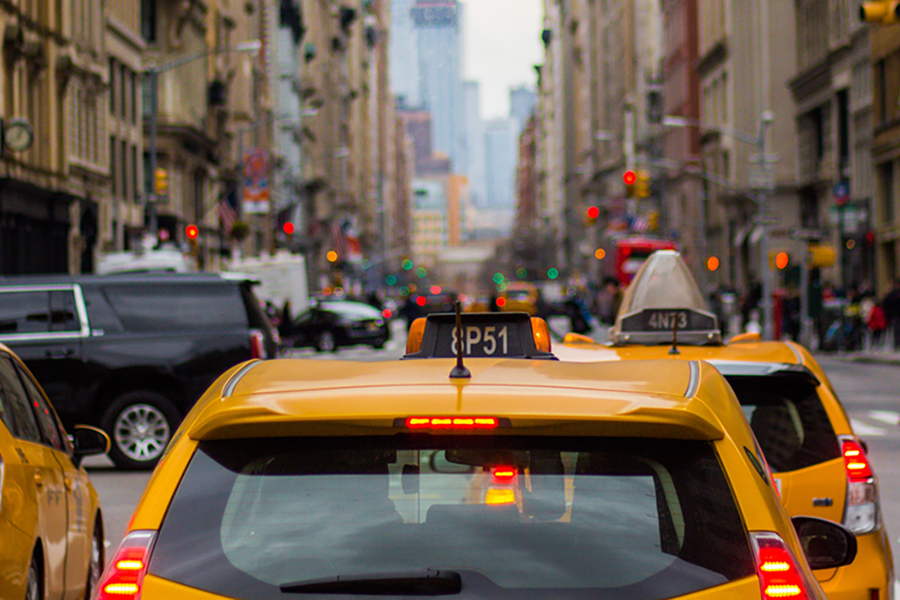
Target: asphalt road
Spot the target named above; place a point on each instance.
(870, 394)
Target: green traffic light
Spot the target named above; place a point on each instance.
(391, 280)
(421, 272)
(407, 265)
(498, 278)
(521, 273)
(552, 273)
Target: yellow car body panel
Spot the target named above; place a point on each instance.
(798, 488)
(312, 398)
(48, 503)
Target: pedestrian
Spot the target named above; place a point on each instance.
(877, 323)
(891, 305)
(410, 311)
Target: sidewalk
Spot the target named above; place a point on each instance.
(875, 357)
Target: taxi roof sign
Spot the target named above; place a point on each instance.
(484, 335)
(663, 304)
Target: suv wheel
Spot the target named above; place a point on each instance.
(140, 425)
(326, 342)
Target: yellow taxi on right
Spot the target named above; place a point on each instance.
(819, 464)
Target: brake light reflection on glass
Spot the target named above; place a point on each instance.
(778, 574)
(452, 422)
(124, 575)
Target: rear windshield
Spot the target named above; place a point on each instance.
(160, 306)
(569, 517)
(788, 419)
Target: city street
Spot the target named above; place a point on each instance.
(870, 393)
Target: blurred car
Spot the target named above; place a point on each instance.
(498, 478)
(819, 463)
(330, 325)
(442, 302)
(51, 526)
(131, 353)
(520, 296)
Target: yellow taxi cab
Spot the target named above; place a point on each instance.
(819, 464)
(51, 530)
(519, 296)
(500, 473)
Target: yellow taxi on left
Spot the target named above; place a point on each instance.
(500, 473)
(51, 528)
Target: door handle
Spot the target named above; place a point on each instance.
(58, 354)
(38, 479)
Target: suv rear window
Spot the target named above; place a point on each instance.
(160, 306)
(788, 419)
(572, 517)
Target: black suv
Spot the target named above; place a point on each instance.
(131, 353)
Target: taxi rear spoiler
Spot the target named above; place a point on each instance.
(735, 368)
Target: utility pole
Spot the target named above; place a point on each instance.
(768, 329)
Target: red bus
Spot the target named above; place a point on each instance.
(633, 251)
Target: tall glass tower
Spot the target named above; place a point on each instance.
(438, 26)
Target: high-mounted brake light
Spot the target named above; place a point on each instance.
(779, 578)
(124, 576)
(861, 509)
(504, 474)
(452, 422)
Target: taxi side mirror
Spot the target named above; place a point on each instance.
(827, 544)
(88, 441)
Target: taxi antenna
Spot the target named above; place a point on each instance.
(459, 371)
(674, 349)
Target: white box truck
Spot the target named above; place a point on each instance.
(281, 277)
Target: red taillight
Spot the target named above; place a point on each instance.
(452, 422)
(257, 344)
(124, 575)
(779, 577)
(504, 474)
(855, 460)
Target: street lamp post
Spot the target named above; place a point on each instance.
(152, 74)
(760, 141)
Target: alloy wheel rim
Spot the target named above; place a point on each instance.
(33, 588)
(327, 341)
(141, 432)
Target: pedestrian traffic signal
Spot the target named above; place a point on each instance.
(161, 182)
(642, 185)
(629, 178)
(778, 260)
(192, 232)
(592, 214)
(886, 12)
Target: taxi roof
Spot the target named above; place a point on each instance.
(758, 352)
(679, 399)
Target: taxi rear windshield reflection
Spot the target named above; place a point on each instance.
(515, 517)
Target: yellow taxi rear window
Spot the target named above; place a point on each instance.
(643, 519)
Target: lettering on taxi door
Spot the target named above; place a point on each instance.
(488, 340)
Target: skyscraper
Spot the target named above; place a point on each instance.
(521, 103)
(438, 29)
(501, 154)
(404, 54)
(473, 159)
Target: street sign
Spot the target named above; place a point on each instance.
(807, 234)
(762, 179)
(766, 219)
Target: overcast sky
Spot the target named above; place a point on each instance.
(502, 44)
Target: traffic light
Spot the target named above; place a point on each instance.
(653, 220)
(629, 178)
(779, 260)
(192, 232)
(592, 213)
(161, 182)
(642, 185)
(886, 12)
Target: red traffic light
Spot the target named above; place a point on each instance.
(630, 177)
(289, 228)
(593, 212)
(192, 232)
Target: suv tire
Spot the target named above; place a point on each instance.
(140, 425)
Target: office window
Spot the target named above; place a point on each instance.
(148, 20)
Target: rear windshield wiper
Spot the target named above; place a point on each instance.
(426, 582)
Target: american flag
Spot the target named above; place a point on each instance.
(227, 215)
